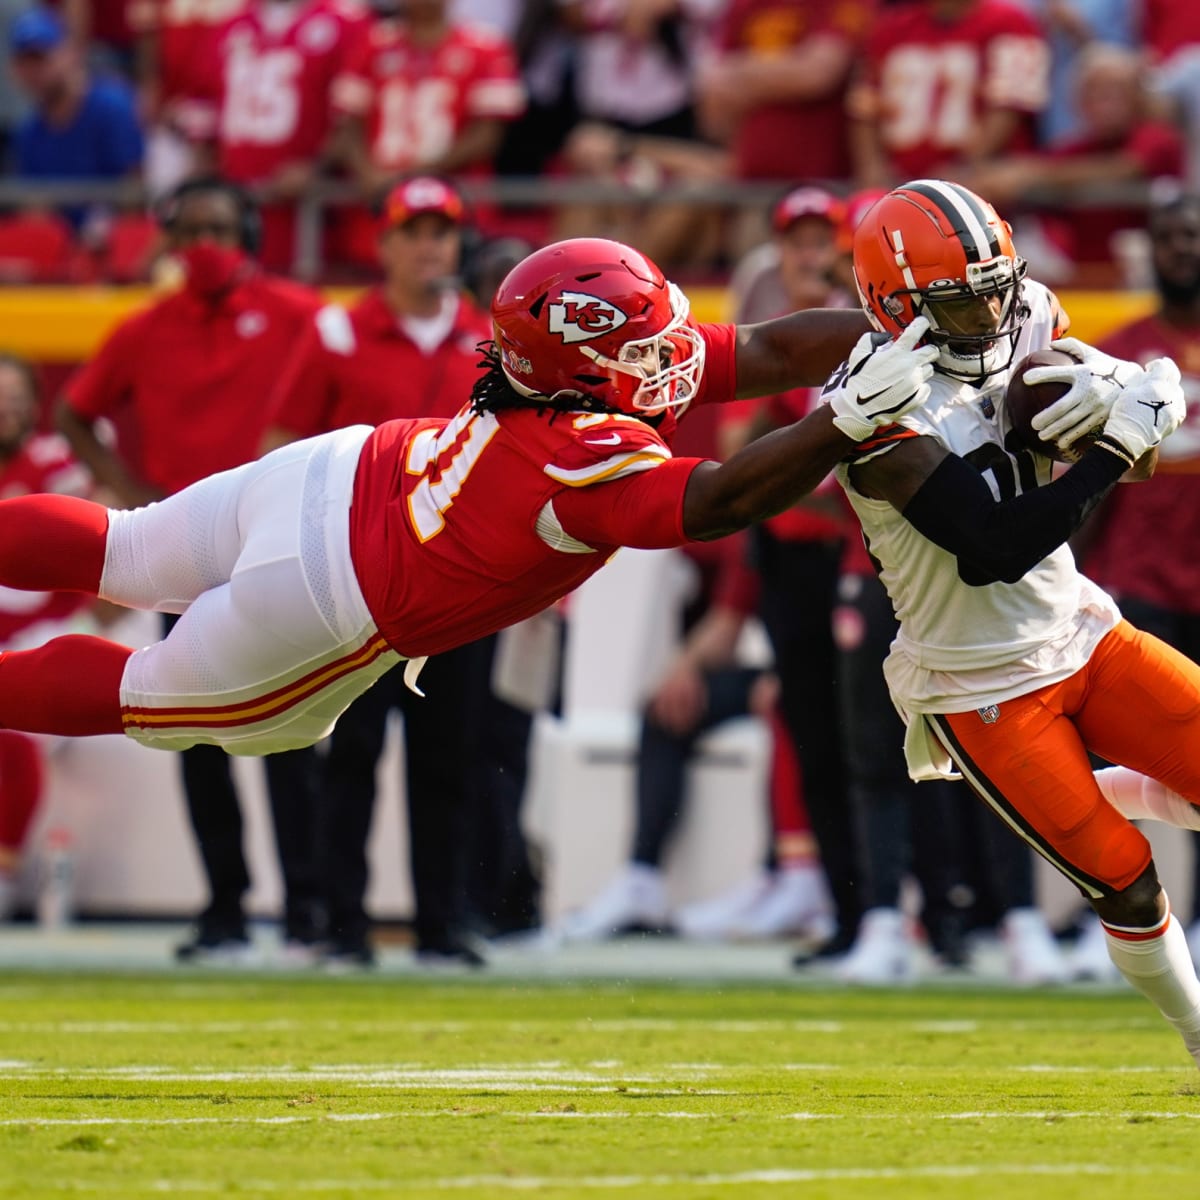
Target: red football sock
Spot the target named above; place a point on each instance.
(70, 686)
(794, 841)
(52, 543)
(21, 778)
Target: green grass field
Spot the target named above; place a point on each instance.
(129, 1086)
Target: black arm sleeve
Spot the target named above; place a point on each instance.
(999, 541)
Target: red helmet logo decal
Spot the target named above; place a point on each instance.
(578, 317)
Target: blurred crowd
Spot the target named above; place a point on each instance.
(1063, 112)
(231, 117)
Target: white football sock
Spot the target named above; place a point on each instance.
(1141, 798)
(1156, 962)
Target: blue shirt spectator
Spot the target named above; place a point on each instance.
(79, 127)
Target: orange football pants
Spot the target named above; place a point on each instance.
(1135, 703)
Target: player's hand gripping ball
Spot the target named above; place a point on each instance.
(1023, 401)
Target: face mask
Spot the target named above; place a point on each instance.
(210, 269)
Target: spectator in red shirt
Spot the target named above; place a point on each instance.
(1121, 141)
(945, 84)
(29, 463)
(276, 64)
(186, 380)
(424, 94)
(175, 66)
(1143, 545)
(409, 348)
(776, 88)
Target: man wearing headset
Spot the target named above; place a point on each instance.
(186, 382)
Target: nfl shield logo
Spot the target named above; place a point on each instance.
(989, 715)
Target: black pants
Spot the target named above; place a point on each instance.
(442, 745)
(216, 817)
(960, 854)
(799, 588)
(503, 879)
(663, 757)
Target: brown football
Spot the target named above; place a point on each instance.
(1023, 402)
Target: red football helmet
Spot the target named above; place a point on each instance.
(595, 319)
(935, 249)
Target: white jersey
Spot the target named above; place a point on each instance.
(961, 647)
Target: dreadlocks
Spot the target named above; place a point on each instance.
(493, 392)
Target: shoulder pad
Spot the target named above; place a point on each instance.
(601, 447)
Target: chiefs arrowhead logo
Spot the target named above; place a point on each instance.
(578, 317)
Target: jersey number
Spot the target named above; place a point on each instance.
(1011, 467)
(262, 99)
(444, 458)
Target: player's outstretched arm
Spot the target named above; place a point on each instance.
(800, 350)
(882, 381)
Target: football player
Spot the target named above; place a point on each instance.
(302, 577)
(1009, 665)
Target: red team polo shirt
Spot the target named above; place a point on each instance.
(417, 100)
(449, 520)
(803, 139)
(1149, 541)
(43, 464)
(361, 368)
(926, 84)
(196, 376)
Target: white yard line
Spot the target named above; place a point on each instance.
(605, 1115)
(577, 1183)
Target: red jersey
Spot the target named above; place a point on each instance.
(1169, 25)
(196, 377)
(927, 84)
(802, 139)
(1149, 541)
(1158, 148)
(361, 368)
(43, 464)
(275, 83)
(417, 100)
(185, 33)
(459, 528)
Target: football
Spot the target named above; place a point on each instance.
(1023, 402)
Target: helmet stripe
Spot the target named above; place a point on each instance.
(965, 214)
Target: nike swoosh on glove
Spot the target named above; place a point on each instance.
(1095, 381)
(885, 380)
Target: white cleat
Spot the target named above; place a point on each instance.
(882, 953)
(635, 899)
(718, 918)
(796, 904)
(1031, 953)
(1090, 958)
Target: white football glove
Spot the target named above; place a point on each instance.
(1147, 410)
(885, 380)
(1094, 382)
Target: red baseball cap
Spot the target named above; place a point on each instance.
(807, 202)
(857, 207)
(418, 195)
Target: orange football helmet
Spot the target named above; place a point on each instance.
(934, 249)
